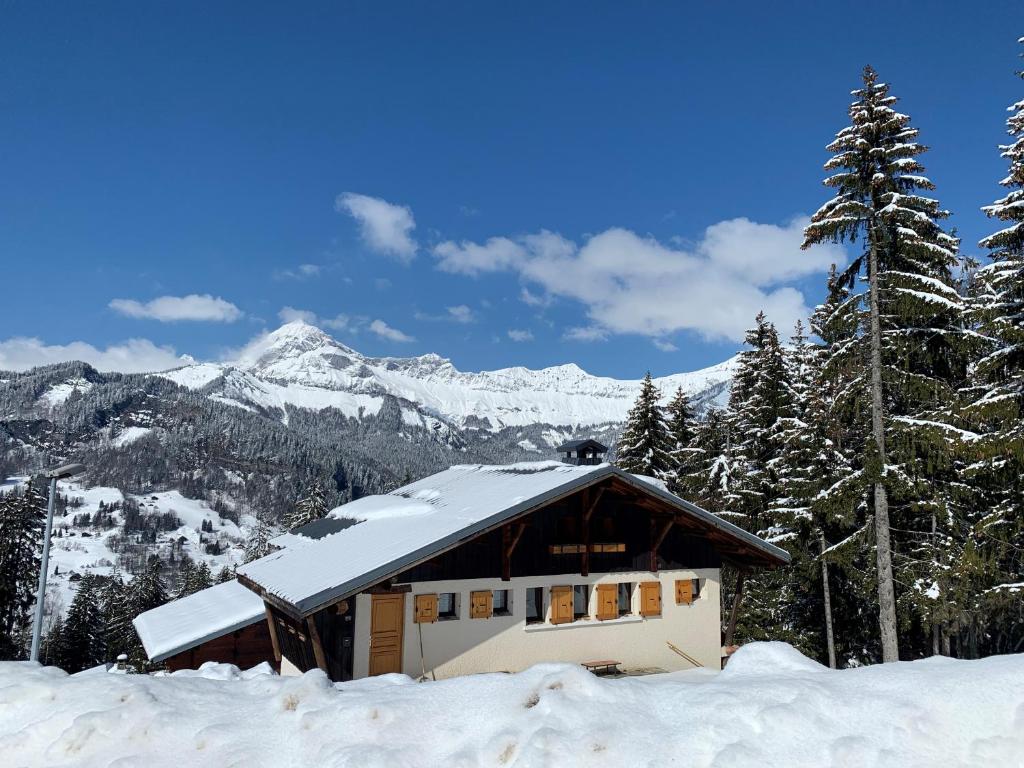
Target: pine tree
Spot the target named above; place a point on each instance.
(645, 447)
(705, 476)
(997, 405)
(194, 577)
(312, 506)
(760, 400)
(22, 518)
(84, 628)
(258, 543)
(682, 426)
(225, 574)
(120, 606)
(911, 343)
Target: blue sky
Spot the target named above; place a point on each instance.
(616, 185)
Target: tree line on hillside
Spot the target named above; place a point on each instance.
(884, 449)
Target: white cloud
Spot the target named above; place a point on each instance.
(169, 309)
(635, 284)
(301, 272)
(665, 346)
(585, 334)
(384, 226)
(520, 335)
(466, 258)
(337, 323)
(385, 331)
(131, 356)
(532, 299)
(461, 314)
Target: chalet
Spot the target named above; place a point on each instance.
(495, 568)
(225, 623)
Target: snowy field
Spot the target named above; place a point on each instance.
(771, 707)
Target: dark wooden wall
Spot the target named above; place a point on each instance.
(615, 520)
(244, 648)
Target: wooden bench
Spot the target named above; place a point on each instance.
(602, 666)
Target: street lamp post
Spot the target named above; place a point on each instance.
(60, 473)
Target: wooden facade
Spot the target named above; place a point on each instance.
(244, 648)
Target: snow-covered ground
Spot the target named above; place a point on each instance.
(771, 707)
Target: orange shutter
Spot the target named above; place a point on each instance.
(481, 604)
(561, 605)
(650, 598)
(426, 609)
(684, 592)
(607, 601)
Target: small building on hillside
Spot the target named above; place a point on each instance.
(225, 623)
(495, 568)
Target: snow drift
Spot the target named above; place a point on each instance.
(771, 707)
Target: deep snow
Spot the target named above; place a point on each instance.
(771, 707)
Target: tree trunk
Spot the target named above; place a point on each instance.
(883, 547)
(936, 631)
(731, 629)
(829, 639)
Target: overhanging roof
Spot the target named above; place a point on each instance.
(420, 520)
(193, 620)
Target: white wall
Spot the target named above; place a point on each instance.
(507, 643)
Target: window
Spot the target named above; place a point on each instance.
(625, 598)
(534, 605)
(502, 603)
(448, 606)
(696, 588)
(580, 601)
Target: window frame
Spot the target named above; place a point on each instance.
(452, 615)
(501, 607)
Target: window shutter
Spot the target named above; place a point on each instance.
(481, 605)
(607, 602)
(426, 609)
(684, 592)
(561, 605)
(650, 598)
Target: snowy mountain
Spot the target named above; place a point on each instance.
(300, 365)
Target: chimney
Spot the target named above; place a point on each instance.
(582, 452)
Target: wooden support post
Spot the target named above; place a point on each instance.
(273, 636)
(509, 541)
(657, 537)
(731, 629)
(588, 506)
(318, 649)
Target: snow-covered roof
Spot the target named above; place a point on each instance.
(192, 620)
(403, 527)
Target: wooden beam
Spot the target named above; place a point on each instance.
(509, 541)
(736, 598)
(657, 537)
(273, 636)
(592, 507)
(318, 649)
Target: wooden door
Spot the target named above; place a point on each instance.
(387, 619)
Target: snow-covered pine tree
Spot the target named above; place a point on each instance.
(911, 342)
(761, 397)
(761, 404)
(682, 426)
(119, 608)
(84, 641)
(194, 577)
(997, 407)
(645, 447)
(312, 506)
(22, 518)
(706, 474)
(225, 574)
(258, 543)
